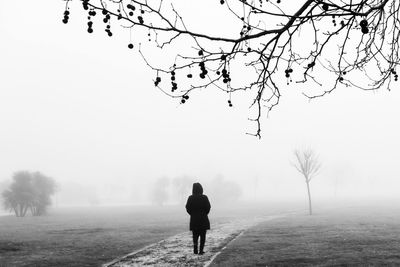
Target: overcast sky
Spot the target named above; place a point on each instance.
(83, 108)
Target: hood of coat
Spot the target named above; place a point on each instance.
(197, 189)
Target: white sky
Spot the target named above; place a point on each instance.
(83, 108)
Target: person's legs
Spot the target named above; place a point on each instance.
(202, 240)
(196, 235)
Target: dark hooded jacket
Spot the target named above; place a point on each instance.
(198, 208)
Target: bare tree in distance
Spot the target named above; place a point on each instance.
(308, 165)
(276, 43)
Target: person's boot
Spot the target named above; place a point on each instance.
(201, 248)
(195, 251)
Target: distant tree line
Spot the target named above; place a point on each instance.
(220, 190)
(29, 191)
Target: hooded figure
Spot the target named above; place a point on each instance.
(198, 208)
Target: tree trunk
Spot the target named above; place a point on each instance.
(21, 210)
(309, 197)
(16, 211)
(24, 211)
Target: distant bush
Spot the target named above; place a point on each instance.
(222, 191)
(29, 190)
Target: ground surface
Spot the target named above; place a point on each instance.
(345, 237)
(350, 236)
(178, 250)
(82, 237)
(93, 236)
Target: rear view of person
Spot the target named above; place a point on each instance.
(198, 206)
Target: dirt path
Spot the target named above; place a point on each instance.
(178, 250)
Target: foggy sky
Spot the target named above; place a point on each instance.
(82, 108)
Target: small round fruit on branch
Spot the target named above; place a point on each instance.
(131, 7)
(364, 23)
(140, 18)
(364, 30)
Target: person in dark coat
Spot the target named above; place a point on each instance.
(198, 206)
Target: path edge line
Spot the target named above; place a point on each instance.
(207, 264)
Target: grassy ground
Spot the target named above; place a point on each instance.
(83, 237)
(345, 237)
(92, 236)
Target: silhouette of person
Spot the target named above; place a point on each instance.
(198, 206)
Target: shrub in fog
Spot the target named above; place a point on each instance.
(29, 191)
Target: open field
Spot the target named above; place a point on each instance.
(92, 236)
(342, 237)
(82, 237)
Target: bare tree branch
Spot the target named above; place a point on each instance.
(355, 43)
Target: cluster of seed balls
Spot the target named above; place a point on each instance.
(225, 75)
(85, 4)
(133, 8)
(203, 70)
(66, 17)
(325, 7)
(364, 26)
(91, 14)
(310, 65)
(173, 83)
(287, 72)
(341, 79)
(158, 80)
(396, 76)
(106, 20)
(184, 98)
(202, 67)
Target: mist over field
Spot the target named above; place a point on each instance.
(106, 140)
(82, 111)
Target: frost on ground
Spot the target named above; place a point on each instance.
(178, 250)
